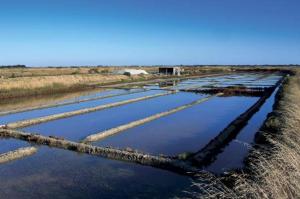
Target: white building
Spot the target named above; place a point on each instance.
(131, 72)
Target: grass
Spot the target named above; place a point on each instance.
(39, 85)
(24, 82)
(57, 71)
(273, 166)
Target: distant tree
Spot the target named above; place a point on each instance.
(13, 66)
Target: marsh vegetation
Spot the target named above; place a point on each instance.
(158, 124)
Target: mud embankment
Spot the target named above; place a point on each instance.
(232, 91)
(17, 154)
(161, 79)
(167, 163)
(207, 154)
(34, 121)
(112, 131)
(67, 103)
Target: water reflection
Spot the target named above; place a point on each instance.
(55, 173)
(185, 131)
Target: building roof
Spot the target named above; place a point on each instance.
(132, 71)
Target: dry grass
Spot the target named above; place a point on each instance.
(276, 169)
(55, 71)
(37, 85)
(273, 166)
(23, 82)
(51, 81)
(28, 86)
(33, 72)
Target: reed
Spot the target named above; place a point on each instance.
(41, 85)
(273, 166)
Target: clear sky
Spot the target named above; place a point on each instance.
(149, 32)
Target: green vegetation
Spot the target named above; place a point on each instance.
(13, 66)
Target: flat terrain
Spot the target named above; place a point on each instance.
(25, 82)
(152, 133)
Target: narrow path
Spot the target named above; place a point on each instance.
(167, 163)
(68, 103)
(210, 85)
(207, 154)
(112, 131)
(17, 154)
(122, 85)
(24, 123)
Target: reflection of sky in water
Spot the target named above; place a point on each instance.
(187, 130)
(234, 153)
(51, 172)
(7, 145)
(71, 107)
(99, 94)
(80, 126)
(55, 173)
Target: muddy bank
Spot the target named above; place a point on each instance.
(67, 103)
(17, 154)
(207, 154)
(161, 79)
(29, 122)
(232, 91)
(50, 85)
(167, 163)
(272, 166)
(110, 132)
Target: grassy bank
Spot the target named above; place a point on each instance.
(25, 82)
(40, 85)
(53, 71)
(273, 166)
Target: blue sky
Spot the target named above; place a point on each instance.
(149, 32)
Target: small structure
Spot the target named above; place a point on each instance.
(170, 70)
(131, 72)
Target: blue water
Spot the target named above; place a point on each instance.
(99, 94)
(10, 144)
(186, 131)
(54, 173)
(233, 155)
(226, 80)
(80, 126)
(72, 107)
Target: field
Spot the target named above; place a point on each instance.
(150, 136)
(24, 82)
(28, 82)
